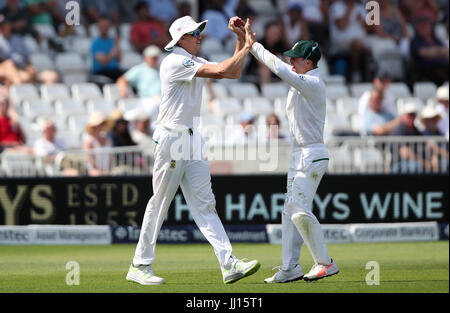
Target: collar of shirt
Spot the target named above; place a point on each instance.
(179, 50)
(313, 72)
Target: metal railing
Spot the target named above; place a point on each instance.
(348, 155)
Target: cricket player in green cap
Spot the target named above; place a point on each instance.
(306, 110)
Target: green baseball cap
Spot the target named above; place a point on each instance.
(308, 50)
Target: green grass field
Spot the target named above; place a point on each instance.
(404, 267)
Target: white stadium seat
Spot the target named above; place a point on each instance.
(21, 92)
(336, 123)
(220, 90)
(100, 105)
(72, 139)
(342, 160)
(70, 62)
(50, 93)
(77, 123)
(219, 57)
(279, 106)
(46, 30)
(130, 104)
(111, 92)
(71, 79)
(41, 61)
(335, 91)
(125, 30)
(211, 46)
(258, 105)
(272, 91)
(82, 45)
(130, 59)
(33, 108)
(17, 164)
(67, 107)
(347, 106)
(357, 89)
(399, 90)
(125, 45)
(424, 90)
(226, 106)
(243, 90)
(31, 44)
(369, 159)
(85, 91)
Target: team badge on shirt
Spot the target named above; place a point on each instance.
(188, 63)
(173, 164)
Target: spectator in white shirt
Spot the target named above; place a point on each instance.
(348, 31)
(381, 82)
(442, 108)
(142, 132)
(295, 26)
(48, 146)
(245, 133)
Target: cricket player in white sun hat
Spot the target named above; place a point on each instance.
(183, 76)
(306, 109)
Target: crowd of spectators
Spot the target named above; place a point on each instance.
(350, 46)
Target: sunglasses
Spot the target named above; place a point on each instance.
(195, 33)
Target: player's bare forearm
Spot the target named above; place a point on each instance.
(232, 67)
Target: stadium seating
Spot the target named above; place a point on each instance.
(21, 92)
(100, 105)
(77, 123)
(129, 104)
(17, 164)
(219, 57)
(399, 90)
(357, 89)
(279, 106)
(130, 59)
(82, 45)
(33, 108)
(424, 90)
(272, 91)
(258, 105)
(70, 62)
(335, 91)
(227, 105)
(211, 46)
(243, 90)
(85, 91)
(68, 107)
(50, 93)
(347, 106)
(41, 61)
(71, 79)
(369, 158)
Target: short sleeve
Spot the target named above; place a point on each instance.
(132, 75)
(184, 69)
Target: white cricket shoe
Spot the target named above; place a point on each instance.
(240, 269)
(144, 275)
(320, 271)
(285, 276)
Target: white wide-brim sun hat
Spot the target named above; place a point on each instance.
(181, 26)
(429, 111)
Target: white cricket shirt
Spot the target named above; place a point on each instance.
(181, 91)
(306, 101)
